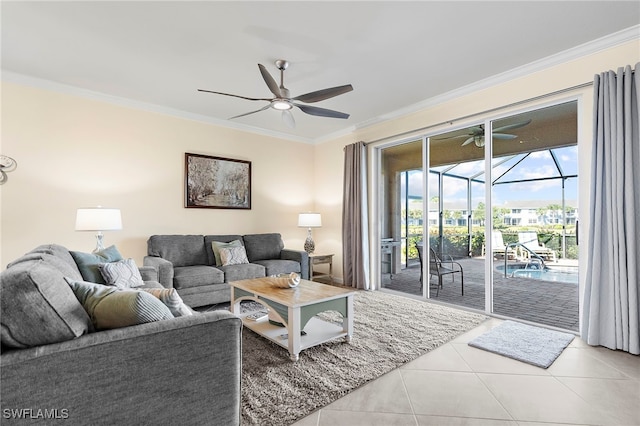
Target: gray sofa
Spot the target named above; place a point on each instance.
(187, 263)
(55, 369)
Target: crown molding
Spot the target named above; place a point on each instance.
(39, 83)
(603, 43)
(589, 48)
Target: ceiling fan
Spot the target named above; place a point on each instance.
(283, 101)
(476, 134)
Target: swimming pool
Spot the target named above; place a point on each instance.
(549, 273)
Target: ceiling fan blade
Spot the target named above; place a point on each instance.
(468, 141)
(512, 126)
(451, 137)
(273, 86)
(321, 95)
(252, 112)
(504, 136)
(235, 96)
(321, 112)
(287, 117)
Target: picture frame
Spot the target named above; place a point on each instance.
(217, 182)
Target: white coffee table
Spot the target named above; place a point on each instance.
(296, 309)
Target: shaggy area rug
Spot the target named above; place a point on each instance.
(534, 345)
(389, 331)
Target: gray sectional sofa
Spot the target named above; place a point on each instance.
(55, 369)
(188, 263)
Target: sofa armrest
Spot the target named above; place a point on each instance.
(181, 371)
(164, 268)
(299, 256)
(148, 273)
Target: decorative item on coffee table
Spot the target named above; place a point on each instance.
(290, 280)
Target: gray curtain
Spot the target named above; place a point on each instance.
(611, 299)
(355, 225)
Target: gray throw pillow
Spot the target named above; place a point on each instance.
(88, 263)
(122, 274)
(233, 256)
(109, 307)
(217, 245)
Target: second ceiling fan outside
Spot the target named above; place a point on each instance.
(476, 134)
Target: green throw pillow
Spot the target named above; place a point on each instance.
(88, 263)
(217, 245)
(109, 307)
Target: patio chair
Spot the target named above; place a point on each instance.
(420, 256)
(440, 268)
(530, 241)
(498, 247)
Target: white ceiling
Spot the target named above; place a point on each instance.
(396, 55)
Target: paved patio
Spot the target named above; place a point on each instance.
(544, 302)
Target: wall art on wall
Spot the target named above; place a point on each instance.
(217, 183)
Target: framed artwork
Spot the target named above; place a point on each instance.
(217, 183)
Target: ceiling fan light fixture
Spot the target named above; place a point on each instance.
(282, 100)
(281, 105)
(479, 141)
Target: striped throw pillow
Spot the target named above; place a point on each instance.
(171, 298)
(109, 307)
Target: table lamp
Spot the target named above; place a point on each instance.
(98, 219)
(309, 220)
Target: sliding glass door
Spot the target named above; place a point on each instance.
(535, 200)
(499, 208)
(401, 218)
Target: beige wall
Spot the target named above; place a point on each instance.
(559, 77)
(75, 152)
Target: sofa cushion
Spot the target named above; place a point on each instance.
(180, 250)
(122, 274)
(110, 307)
(58, 251)
(233, 256)
(196, 276)
(172, 300)
(208, 239)
(52, 260)
(38, 307)
(219, 245)
(88, 263)
(242, 272)
(275, 266)
(263, 246)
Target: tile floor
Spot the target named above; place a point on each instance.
(456, 384)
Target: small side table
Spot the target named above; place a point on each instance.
(319, 259)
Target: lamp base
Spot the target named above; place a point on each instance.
(309, 245)
(99, 242)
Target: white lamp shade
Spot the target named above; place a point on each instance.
(309, 220)
(98, 219)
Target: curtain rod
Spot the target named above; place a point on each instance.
(535, 98)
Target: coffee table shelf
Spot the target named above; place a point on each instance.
(296, 309)
(317, 331)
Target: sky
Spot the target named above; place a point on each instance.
(536, 165)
